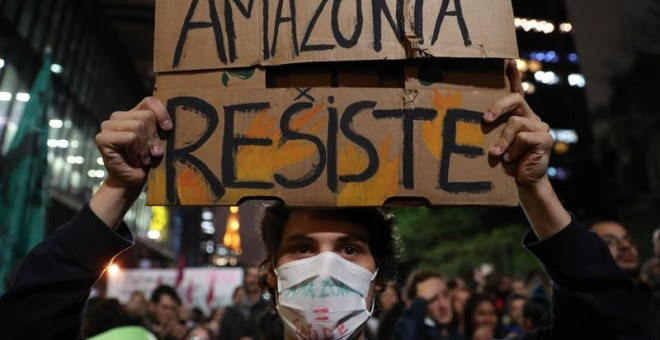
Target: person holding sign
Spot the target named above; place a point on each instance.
(323, 265)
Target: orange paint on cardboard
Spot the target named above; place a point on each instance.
(376, 190)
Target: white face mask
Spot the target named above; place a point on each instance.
(323, 296)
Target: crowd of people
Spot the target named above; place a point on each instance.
(325, 268)
(428, 305)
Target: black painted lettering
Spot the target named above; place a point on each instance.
(230, 144)
(289, 135)
(359, 21)
(332, 146)
(265, 30)
(304, 47)
(450, 147)
(279, 19)
(345, 125)
(379, 8)
(229, 23)
(185, 153)
(419, 20)
(188, 25)
(458, 13)
(408, 117)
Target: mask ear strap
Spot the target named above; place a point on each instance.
(277, 284)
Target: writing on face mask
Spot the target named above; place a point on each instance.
(307, 331)
(328, 288)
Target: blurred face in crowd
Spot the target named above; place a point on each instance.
(439, 309)
(621, 246)
(306, 235)
(518, 287)
(460, 296)
(166, 309)
(516, 311)
(504, 284)
(217, 314)
(239, 295)
(137, 305)
(199, 333)
(388, 298)
(251, 281)
(485, 315)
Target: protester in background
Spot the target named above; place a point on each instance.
(429, 314)
(387, 299)
(137, 306)
(537, 280)
(514, 315)
(235, 320)
(626, 255)
(481, 319)
(258, 304)
(215, 320)
(389, 316)
(518, 287)
(623, 249)
(107, 319)
(242, 318)
(536, 313)
(164, 307)
(199, 332)
(196, 317)
(459, 297)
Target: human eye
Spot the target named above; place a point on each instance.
(610, 241)
(301, 249)
(351, 250)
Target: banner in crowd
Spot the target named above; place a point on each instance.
(205, 288)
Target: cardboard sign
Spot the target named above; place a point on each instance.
(329, 146)
(317, 133)
(218, 34)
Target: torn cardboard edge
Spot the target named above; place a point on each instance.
(220, 34)
(450, 73)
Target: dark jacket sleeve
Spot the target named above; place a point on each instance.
(411, 322)
(49, 291)
(592, 298)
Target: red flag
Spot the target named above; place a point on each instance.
(189, 293)
(211, 294)
(181, 264)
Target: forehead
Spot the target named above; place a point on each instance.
(609, 228)
(167, 300)
(310, 224)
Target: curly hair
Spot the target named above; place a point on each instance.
(379, 227)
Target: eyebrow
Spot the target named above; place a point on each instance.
(352, 238)
(303, 237)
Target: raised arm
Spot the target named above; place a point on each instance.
(592, 298)
(47, 296)
(524, 146)
(129, 144)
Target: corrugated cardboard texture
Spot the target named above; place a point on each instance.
(218, 34)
